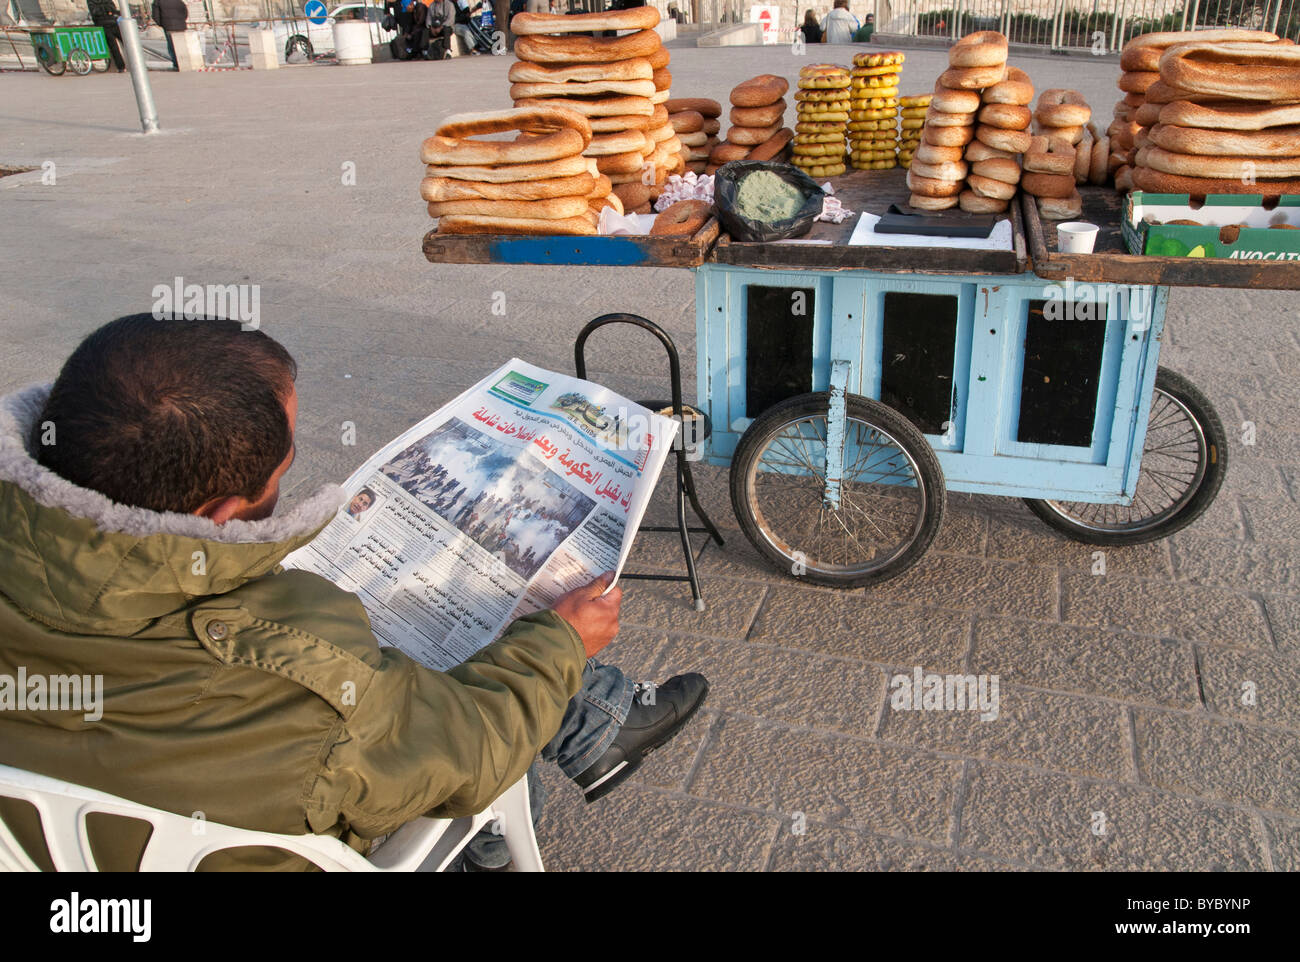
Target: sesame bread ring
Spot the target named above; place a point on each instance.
(662, 79)
(687, 121)
(922, 202)
(988, 187)
(974, 203)
(1049, 156)
(1148, 115)
(1159, 182)
(545, 147)
(1012, 141)
(725, 153)
(759, 91)
(1204, 165)
(510, 173)
(1048, 185)
(632, 194)
(624, 163)
(493, 224)
(772, 146)
(935, 154)
(609, 125)
(554, 208)
(986, 48)
(977, 151)
(954, 101)
(954, 170)
(1006, 116)
(696, 138)
(620, 142)
(1163, 93)
(1070, 135)
(973, 78)
(1017, 89)
(634, 18)
(1228, 116)
(1099, 167)
(998, 168)
(1062, 108)
(528, 119)
(758, 116)
(1242, 71)
(701, 105)
(712, 125)
(1136, 54)
(571, 50)
(1061, 208)
(949, 136)
(685, 217)
(598, 107)
(1133, 101)
(751, 136)
(1137, 81)
(659, 57)
(935, 118)
(931, 187)
(523, 72)
(447, 189)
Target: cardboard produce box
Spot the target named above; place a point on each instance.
(1233, 226)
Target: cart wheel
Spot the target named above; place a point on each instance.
(892, 495)
(46, 59)
(1184, 461)
(298, 49)
(79, 62)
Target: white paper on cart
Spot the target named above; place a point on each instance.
(864, 232)
(529, 484)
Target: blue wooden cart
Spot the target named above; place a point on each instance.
(848, 388)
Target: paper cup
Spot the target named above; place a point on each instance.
(1076, 237)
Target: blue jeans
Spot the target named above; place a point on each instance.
(590, 725)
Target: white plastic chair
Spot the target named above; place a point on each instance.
(180, 844)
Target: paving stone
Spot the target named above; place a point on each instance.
(1284, 834)
(1029, 539)
(835, 780)
(1284, 618)
(824, 849)
(730, 607)
(1225, 761)
(1177, 611)
(1273, 681)
(1048, 820)
(1248, 566)
(971, 584)
(1274, 521)
(1094, 661)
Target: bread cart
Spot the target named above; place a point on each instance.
(849, 388)
(79, 48)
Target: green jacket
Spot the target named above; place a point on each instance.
(255, 696)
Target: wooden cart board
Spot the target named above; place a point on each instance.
(1110, 261)
(595, 251)
(875, 191)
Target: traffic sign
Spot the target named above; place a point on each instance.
(315, 11)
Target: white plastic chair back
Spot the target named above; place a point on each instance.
(180, 844)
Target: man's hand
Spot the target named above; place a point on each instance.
(593, 617)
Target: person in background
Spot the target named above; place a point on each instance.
(866, 30)
(463, 13)
(442, 14)
(103, 13)
(812, 31)
(171, 15)
(839, 25)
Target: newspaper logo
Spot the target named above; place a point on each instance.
(518, 388)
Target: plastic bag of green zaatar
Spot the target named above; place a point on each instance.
(780, 204)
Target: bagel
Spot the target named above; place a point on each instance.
(632, 194)
(1012, 141)
(1159, 182)
(759, 91)
(969, 200)
(553, 208)
(954, 101)
(521, 71)
(935, 154)
(1148, 115)
(1048, 185)
(991, 188)
(696, 138)
(1006, 116)
(973, 78)
(687, 121)
(634, 18)
(922, 202)
(977, 150)
(948, 136)
(1049, 156)
(1242, 71)
(724, 153)
(439, 189)
(628, 162)
(701, 105)
(1137, 81)
(660, 134)
(934, 118)
(712, 126)
(1270, 142)
(489, 224)
(684, 217)
(1099, 167)
(575, 50)
(659, 57)
(1083, 158)
(986, 48)
(617, 122)
(545, 119)
(751, 136)
(951, 170)
(1062, 108)
(1228, 116)
(1068, 135)
(1162, 93)
(602, 145)
(772, 146)
(931, 187)
(1204, 165)
(1017, 89)
(759, 116)
(452, 150)
(509, 173)
(607, 106)
(1060, 208)
(662, 79)
(997, 168)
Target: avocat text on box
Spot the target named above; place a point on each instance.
(1269, 233)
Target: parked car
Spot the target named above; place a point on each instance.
(301, 40)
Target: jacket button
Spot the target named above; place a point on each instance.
(217, 630)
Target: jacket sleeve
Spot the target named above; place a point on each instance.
(448, 743)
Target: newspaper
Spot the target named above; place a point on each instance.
(526, 486)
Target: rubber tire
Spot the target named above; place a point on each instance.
(298, 41)
(79, 63)
(930, 477)
(1199, 406)
(53, 68)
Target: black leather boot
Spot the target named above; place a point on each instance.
(648, 726)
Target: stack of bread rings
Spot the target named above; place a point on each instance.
(938, 171)
(911, 118)
(1145, 92)
(538, 183)
(1228, 120)
(873, 110)
(758, 130)
(821, 134)
(695, 121)
(1057, 152)
(1001, 137)
(619, 83)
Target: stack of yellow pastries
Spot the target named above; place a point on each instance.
(873, 110)
(911, 118)
(820, 135)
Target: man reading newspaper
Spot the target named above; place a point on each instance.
(136, 519)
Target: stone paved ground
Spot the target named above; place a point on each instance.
(1120, 694)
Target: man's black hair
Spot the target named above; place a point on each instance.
(169, 414)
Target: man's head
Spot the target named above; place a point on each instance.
(842, 4)
(191, 416)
